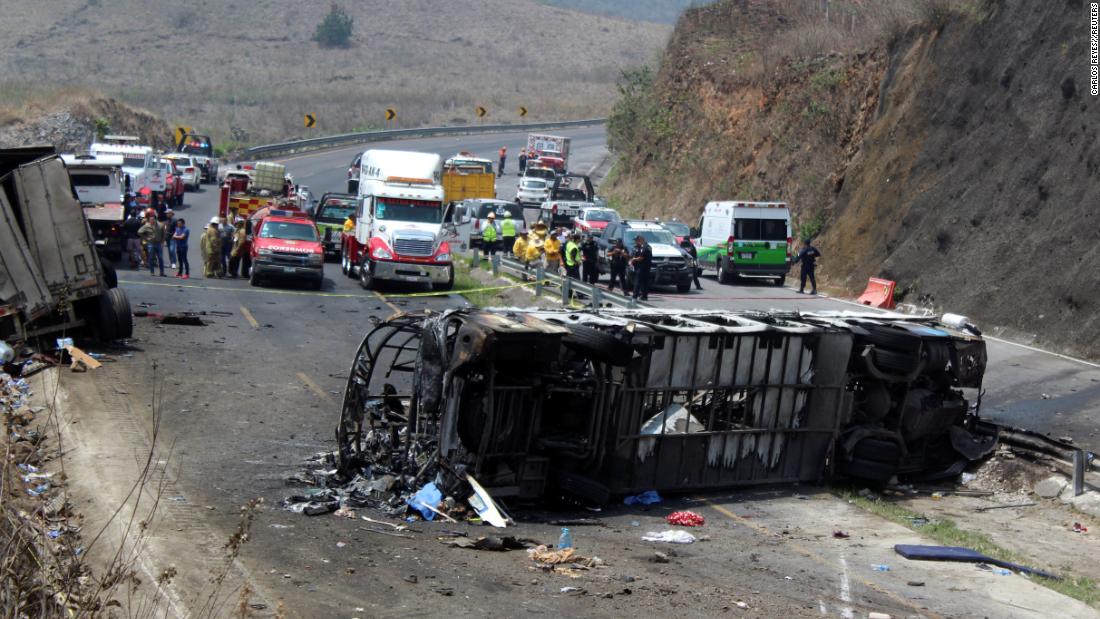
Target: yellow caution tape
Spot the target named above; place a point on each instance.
(450, 292)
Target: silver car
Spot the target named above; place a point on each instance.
(189, 169)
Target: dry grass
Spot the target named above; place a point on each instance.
(252, 68)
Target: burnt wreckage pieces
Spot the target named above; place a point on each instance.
(531, 402)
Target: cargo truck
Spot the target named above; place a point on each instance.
(466, 177)
(51, 279)
(399, 223)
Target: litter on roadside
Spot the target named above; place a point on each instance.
(670, 537)
(685, 519)
(965, 555)
(838, 534)
(649, 497)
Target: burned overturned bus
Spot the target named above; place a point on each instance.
(532, 402)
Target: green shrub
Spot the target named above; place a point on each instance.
(335, 29)
(102, 127)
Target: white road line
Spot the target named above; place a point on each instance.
(845, 589)
(824, 609)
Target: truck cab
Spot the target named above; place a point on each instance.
(97, 181)
(285, 245)
(399, 225)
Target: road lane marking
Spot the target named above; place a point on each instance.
(396, 310)
(315, 388)
(845, 589)
(249, 317)
(815, 557)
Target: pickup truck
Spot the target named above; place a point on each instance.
(285, 245)
(570, 194)
(201, 150)
(331, 213)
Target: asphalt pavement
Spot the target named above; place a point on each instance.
(248, 397)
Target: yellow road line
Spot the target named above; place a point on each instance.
(315, 388)
(249, 317)
(813, 556)
(396, 310)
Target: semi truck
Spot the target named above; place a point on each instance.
(399, 223)
(551, 151)
(51, 279)
(140, 167)
(97, 181)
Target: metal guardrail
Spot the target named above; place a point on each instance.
(389, 134)
(569, 287)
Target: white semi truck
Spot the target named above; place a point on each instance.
(398, 229)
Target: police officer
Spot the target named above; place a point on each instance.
(489, 235)
(808, 256)
(689, 247)
(573, 257)
(641, 260)
(590, 256)
(508, 233)
(616, 258)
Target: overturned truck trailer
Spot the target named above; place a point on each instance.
(533, 402)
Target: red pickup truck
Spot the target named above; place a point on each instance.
(285, 245)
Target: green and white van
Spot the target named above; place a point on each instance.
(739, 238)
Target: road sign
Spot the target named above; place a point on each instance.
(522, 111)
(180, 132)
(481, 112)
(391, 113)
(309, 120)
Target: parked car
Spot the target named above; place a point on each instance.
(672, 266)
(679, 229)
(478, 209)
(173, 184)
(546, 174)
(201, 150)
(189, 170)
(594, 220)
(353, 174)
(532, 192)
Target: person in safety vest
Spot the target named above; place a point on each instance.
(507, 233)
(552, 248)
(573, 256)
(536, 242)
(489, 235)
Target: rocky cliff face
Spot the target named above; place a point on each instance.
(958, 157)
(69, 123)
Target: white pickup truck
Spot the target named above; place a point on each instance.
(570, 194)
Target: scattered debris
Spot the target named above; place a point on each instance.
(1007, 506)
(1079, 528)
(685, 519)
(490, 543)
(81, 361)
(649, 497)
(659, 557)
(915, 583)
(838, 534)
(958, 553)
(671, 536)
(1050, 487)
(880, 567)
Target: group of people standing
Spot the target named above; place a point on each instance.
(224, 248)
(525, 155)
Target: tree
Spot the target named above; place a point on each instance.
(335, 29)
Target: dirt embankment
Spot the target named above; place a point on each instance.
(958, 156)
(69, 122)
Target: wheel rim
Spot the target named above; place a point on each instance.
(364, 275)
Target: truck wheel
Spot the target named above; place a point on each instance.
(682, 288)
(345, 263)
(598, 345)
(366, 278)
(253, 277)
(124, 318)
(319, 284)
(724, 276)
(448, 284)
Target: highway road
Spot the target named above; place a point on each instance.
(247, 398)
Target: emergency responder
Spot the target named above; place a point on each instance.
(239, 257)
(641, 260)
(503, 157)
(616, 258)
(808, 256)
(152, 237)
(225, 232)
(132, 224)
(349, 224)
(211, 247)
(490, 235)
(689, 247)
(573, 257)
(552, 250)
(522, 161)
(507, 233)
(590, 257)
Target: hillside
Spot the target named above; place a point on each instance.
(953, 150)
(251, 70)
